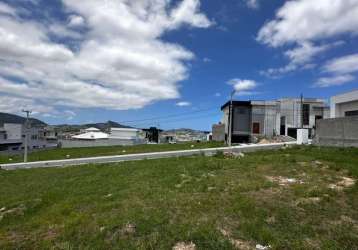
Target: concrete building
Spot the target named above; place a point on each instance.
(269, 118)
(124, 133)
(344, 105)
(12, 138)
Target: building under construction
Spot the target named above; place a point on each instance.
(252, 119)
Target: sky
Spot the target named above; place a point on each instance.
(170, 63)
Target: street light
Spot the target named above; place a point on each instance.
(230, 117)
(28, 112)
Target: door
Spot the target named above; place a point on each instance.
(283, 126)
(256, 128)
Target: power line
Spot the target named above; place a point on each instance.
(170, 116)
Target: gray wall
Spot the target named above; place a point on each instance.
(98, 143)
(342, 132)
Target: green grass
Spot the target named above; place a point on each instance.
(213, 202)
(61, 153)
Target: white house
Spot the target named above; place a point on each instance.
(91, 134)
(344, 105)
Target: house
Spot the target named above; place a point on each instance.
(12, 138)
(91, 134)
(344, 105)
(252, 119)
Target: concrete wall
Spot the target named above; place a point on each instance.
(218, 132)
(342, 132)
(98, 143)
(344, 102)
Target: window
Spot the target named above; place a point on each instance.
(351, 113)
(256, 128)
(306, 114)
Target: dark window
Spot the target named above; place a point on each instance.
(306, 114)
(256, 128)
(5, 136)
(351, 113)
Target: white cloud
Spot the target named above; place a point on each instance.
(12, 104)
(183, 104)
(341, 70)
(76, 21)
(242, 85)
(7, 9)
(307, 20)
(217, 94)
(252, 4)
(206, 60)
(333, 81)
(300, 57)
(120, 63)
(342, 65)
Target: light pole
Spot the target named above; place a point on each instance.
(230, 118)
(28, 112)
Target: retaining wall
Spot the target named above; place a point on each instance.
(339, 132)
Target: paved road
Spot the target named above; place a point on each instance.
(134, 157)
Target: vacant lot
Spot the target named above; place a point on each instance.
(64, 153)
(299, 198)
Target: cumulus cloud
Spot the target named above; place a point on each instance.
(342, 65)
(303, 24)
(307, 20)
(243, 87)
(341, 70)
(333, 81)
(183, 104)
(119, 62)
(300, 57)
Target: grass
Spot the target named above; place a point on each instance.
(214, 202)
(61, 153)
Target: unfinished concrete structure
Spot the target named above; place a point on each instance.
(341, 132)
(269, 118)
(344, 105)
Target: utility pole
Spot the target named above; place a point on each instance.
(230, 118)
(28, 112)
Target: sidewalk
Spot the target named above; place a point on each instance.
(143, 156)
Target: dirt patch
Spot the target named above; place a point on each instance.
(284, 181)
(16, 211)
(344, 183)
(127, 230)
(240, 244)
(184, 246)
(310, 200)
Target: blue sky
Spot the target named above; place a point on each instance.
(77, 62)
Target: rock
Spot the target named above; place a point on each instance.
(68, 156)
(2, 209)
(102, 229)
(261, 247)
(109, 195)
(184, 246)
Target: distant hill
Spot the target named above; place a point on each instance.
(185, 130)
(11, 118)
(102, 126)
